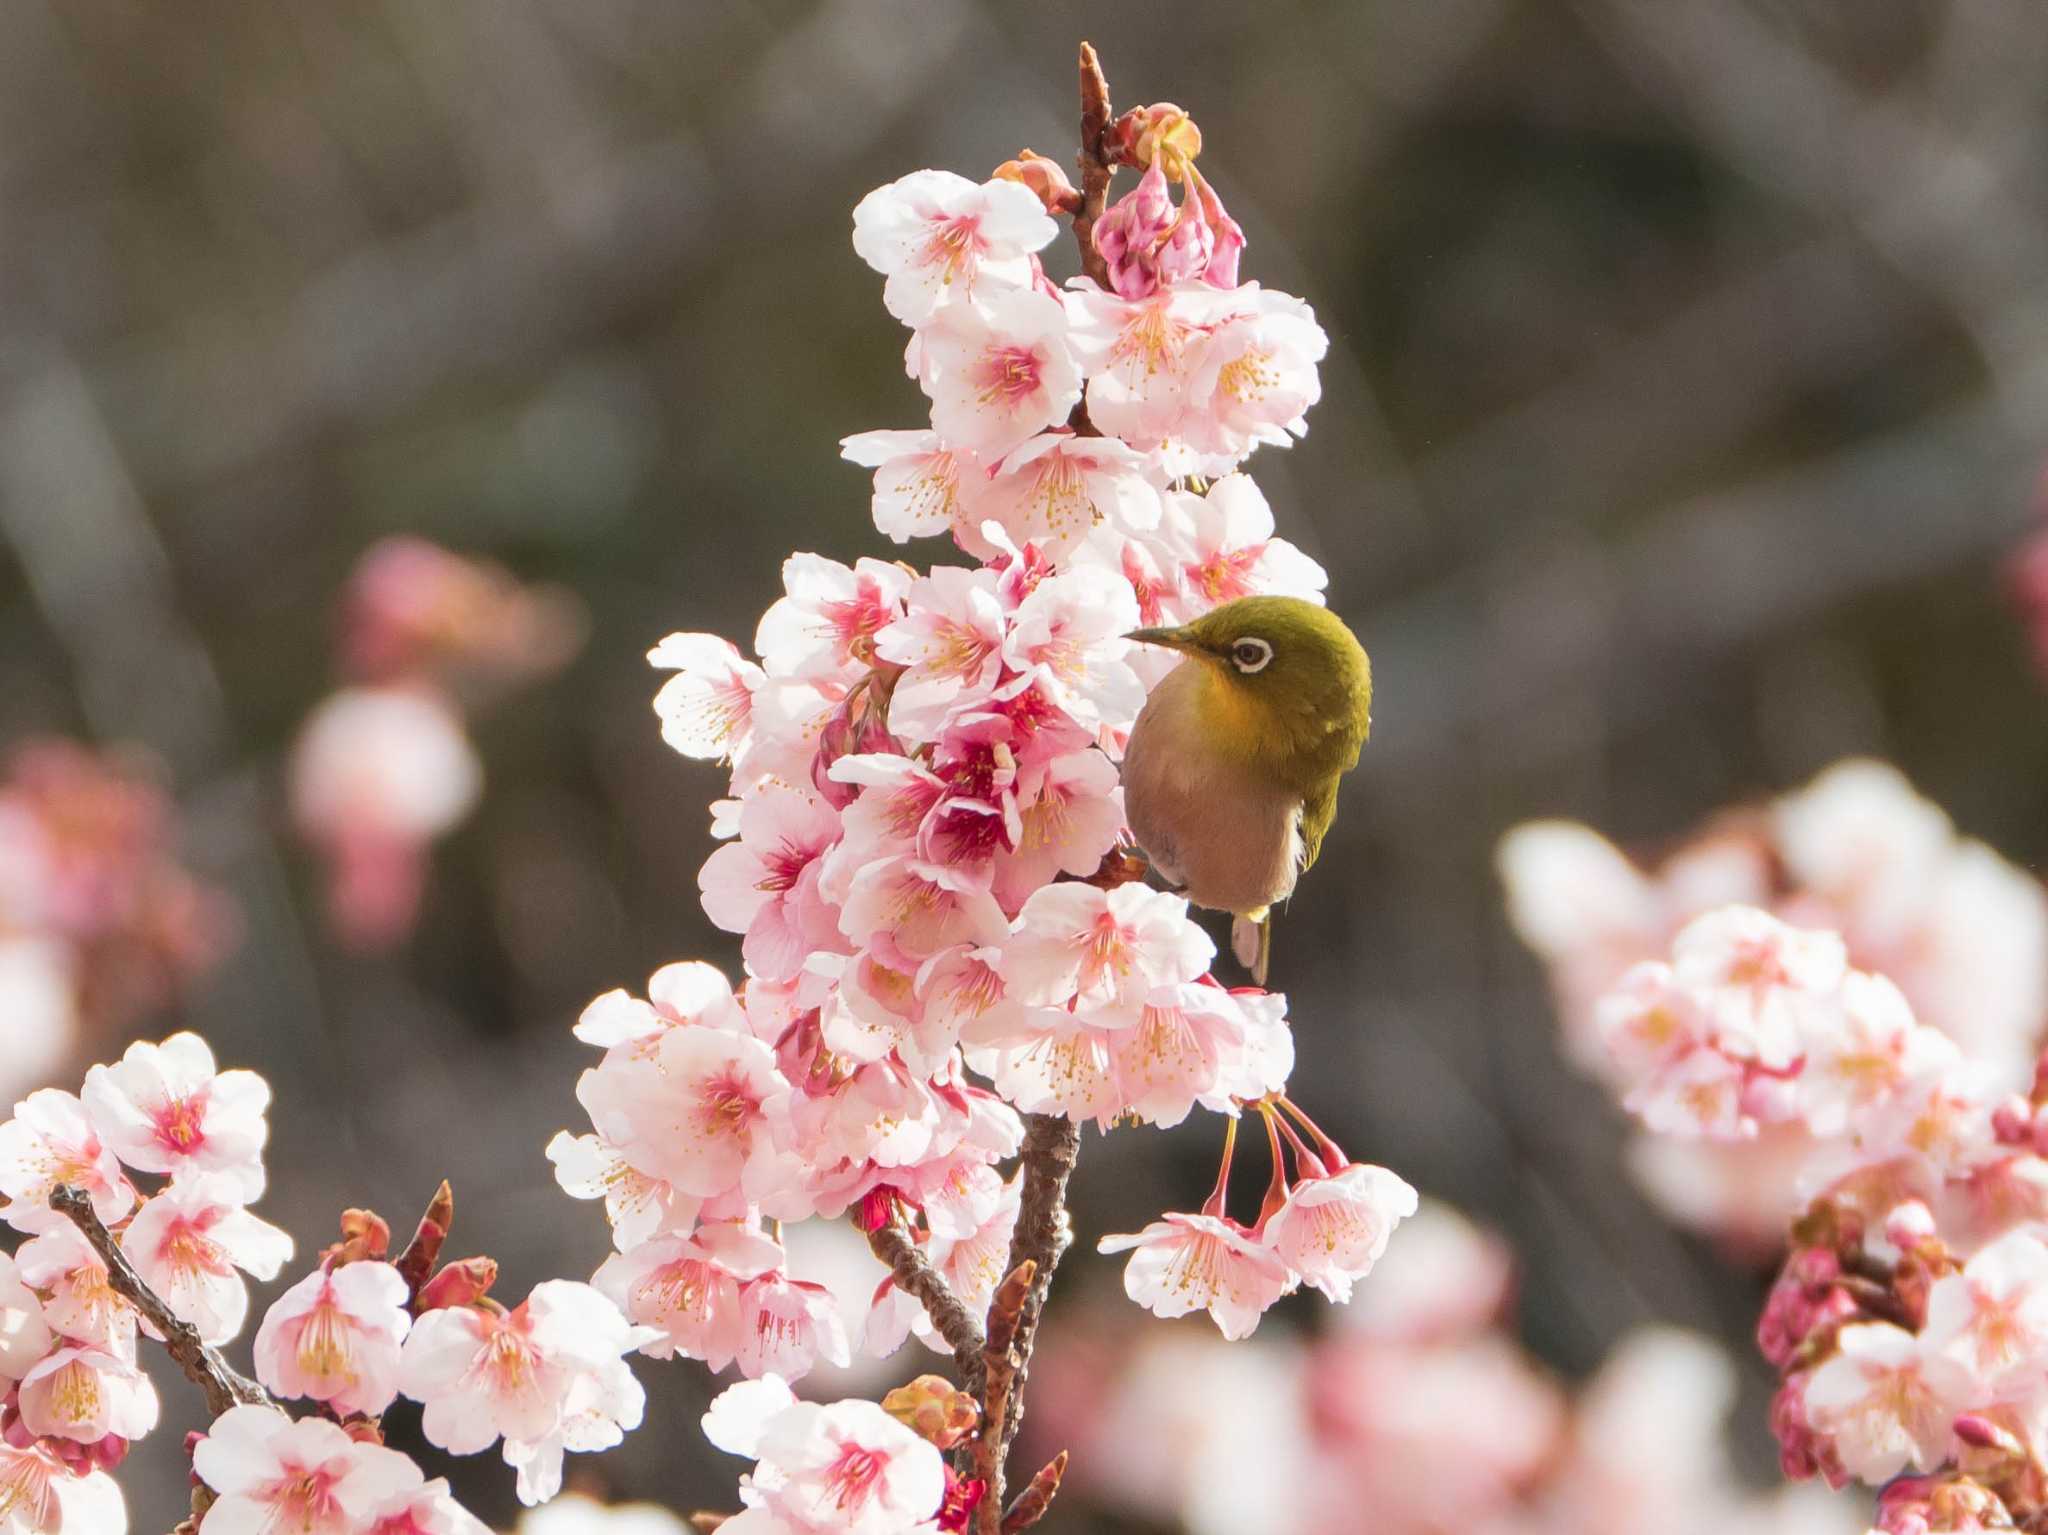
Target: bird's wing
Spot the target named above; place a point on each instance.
(1318, 810)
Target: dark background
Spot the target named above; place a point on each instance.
(1686, 392)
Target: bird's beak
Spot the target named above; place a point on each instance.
(1172, 639)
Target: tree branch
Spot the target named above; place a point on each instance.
(1095, 164)
(204, 1366)
(915, 1275)
(1052, 1143)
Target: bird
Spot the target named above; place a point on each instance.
(1230, 772)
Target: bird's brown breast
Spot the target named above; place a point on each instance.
(1230, 839)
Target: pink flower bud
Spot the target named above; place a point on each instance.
(2013, 1121)
(1044, 178)
(459, 1284)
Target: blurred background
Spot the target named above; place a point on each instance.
(1687, 395)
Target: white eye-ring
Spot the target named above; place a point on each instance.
(1250, 654)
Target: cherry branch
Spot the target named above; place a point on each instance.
(223, 1385)
(1052, 1144)
(1095, 163)
(915, 1276)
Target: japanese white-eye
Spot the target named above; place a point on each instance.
(1230, 775)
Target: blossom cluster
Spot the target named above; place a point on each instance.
(1910, 1321)
(923, 840)
(1961, 933)
(384, 765)
(98, 920)
(1357, 1428)
(351, 1336)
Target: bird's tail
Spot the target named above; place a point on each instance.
(1251, 940)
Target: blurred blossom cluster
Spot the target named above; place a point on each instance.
(384, 766)
(1416, 1414)
(99, 923)
(1910, 1322)
(1959, 935)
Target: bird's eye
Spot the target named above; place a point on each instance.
(1250, 654)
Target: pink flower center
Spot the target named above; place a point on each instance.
(1008, 376)
(189, 1250)
(1106, 953)
(26, 1493)
(728, 1103)
(854, 1476)
(1226, 574)
(304, 1502)
(180, 1123)
(326, 1343)
(950, 244)
(782, 866)
(854, 621)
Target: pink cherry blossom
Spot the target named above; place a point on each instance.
(1076, 943)
(1067, 637)
(1876, 1405)
(1186, 1263)
(824, 628)
(998, 370)
(844, 1467)
(696, 1114)
(638, 1204)
(939, 239)
(1070, 814)
(1230, 550)
(924, 908)
(950, 638)
(1331, 1230)
(1056, 488)
(541, 1375)
(50, 1143)
(1257, 375)
(1141, 356)
(917, 481)
(189, 1240)
(166, 1109)
(427, 1509)
(308, 1476)
(1755, 976)
(686, 1290)
(1147, 241)
(787, 1325)
(689, 992)
(1063, 1063)
(80, 1302)
(707, 707)
(86, 1394)
(766, 884)
(1990, 1322)
(334, 1337)
(41, 1495)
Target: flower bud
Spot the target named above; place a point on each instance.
(1909, 1224)
(2013, 1121)
(1141, 134)
(934, 1409)
(1045, 178)
(459, 1284)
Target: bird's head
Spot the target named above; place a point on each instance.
(1295, 658)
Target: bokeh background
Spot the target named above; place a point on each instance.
(1688, 389)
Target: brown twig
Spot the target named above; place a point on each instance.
(915, 1276)
(203, 1364)
(416, 1264)
(1002, 1366)
(1035, 1499)
(1052, 1142)
(1095, 164)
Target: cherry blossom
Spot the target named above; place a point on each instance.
(1875, 1401)
(1189, 1263)
(939, 238)
(686, 1290)
(1990, 1321)
(41, 1495)
(86, 1394)
(844, 1467)
(707, 708)
(334, 1337)
(765, 885)
(544, 1376)
(25, 1333)
(1076, 943)
(188, 1241)
(1055, 489)
(79, 1302)
(165, 1109)
(1331, 1230)
(50, 1143)
(306, 1475)
(998, 370)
